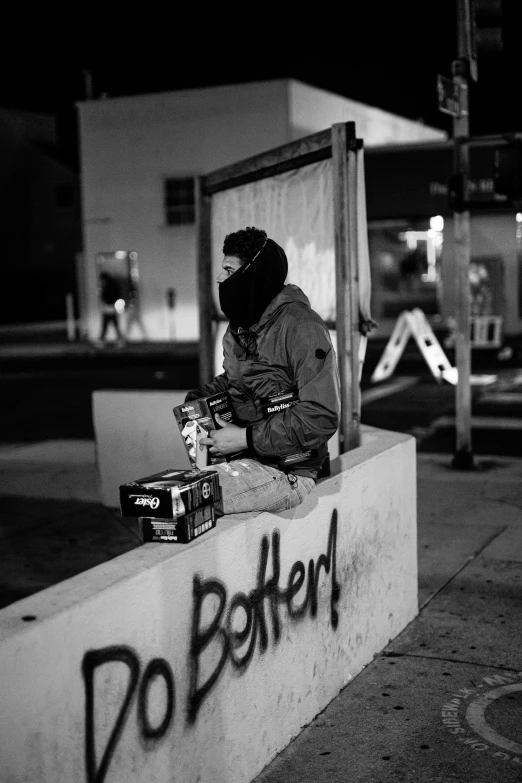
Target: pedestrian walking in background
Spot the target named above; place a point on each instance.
(110, 295)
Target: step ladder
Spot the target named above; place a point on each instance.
(414, 323)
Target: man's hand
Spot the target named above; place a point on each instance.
(227, 440)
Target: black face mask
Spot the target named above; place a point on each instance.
(246, 294)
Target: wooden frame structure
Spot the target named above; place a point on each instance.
(341, 145)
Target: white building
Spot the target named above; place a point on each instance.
(139, 155)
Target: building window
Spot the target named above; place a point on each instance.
(63, 196)
(179, 201)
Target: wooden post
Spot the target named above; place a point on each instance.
(463, 458)
(204, 272)
(344, 166)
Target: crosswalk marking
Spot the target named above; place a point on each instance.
(502, 398)
(481, 423)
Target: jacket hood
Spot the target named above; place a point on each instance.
(290, 294)
(249, 291)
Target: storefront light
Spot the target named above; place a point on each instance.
(437, 223)
(411, 239)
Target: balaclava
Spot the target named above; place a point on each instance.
(246, 294)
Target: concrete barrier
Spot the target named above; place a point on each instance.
(136, 435)
(201, 662)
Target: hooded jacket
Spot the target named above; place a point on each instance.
(287, 350)
(246, 294)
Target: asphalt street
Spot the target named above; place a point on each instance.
(48, 395)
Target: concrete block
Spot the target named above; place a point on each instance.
(202, 662)
(136, 435)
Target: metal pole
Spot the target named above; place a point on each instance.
(171, 302)
(69, 309)
(463, 458)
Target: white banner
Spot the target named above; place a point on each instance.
(296, 210)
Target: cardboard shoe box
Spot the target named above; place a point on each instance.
(196, 419)
(171, 494)
(178, 531)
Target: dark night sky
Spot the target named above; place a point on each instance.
(389, 61)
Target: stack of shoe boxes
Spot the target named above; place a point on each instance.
(174, 506)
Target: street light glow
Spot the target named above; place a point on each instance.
(437, 223)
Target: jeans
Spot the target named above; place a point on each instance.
(107, 319)
(248, 485)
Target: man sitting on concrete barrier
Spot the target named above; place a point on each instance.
(281, 372)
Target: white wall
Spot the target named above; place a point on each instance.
(312, 110)
(85, 682)
(129, 146)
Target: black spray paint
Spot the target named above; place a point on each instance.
(253, 607)
(221, 631)
(158, 667)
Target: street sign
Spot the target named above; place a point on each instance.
(449, 96)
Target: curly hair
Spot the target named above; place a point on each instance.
(244, 244)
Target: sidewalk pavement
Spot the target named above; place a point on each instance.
(442, 702)
(52, 525)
